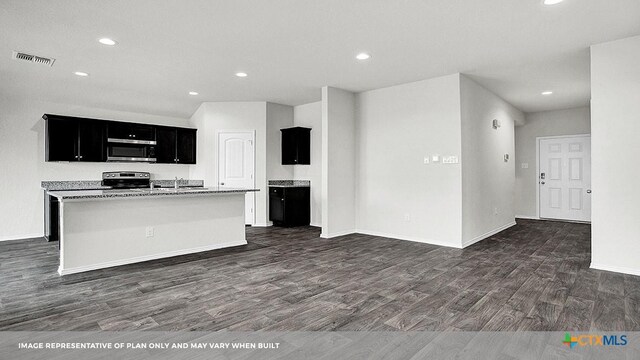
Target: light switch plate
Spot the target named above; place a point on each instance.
(435, 158)
(450, 159)
(525, 165)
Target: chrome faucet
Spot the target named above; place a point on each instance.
(176, 182)
(152, 185)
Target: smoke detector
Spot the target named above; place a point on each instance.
(33, 58)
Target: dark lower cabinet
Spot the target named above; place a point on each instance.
(290, 206)
(51, 218)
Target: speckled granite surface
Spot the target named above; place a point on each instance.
(137, 193)
(97, 184)
(289, 183)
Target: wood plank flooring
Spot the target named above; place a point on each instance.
(533, 276)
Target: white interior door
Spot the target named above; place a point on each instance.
(236, 165)
(565, 178)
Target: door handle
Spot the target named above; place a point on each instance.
(221, 183)
(542, 182)
(589, 191)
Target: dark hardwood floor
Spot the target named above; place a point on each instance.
(533, 276)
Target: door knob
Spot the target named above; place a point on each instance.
(589, 191)
(221, 183)
(542, 182)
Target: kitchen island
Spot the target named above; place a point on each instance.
(110, 227)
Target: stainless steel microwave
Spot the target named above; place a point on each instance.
(131, 150)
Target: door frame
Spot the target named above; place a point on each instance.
(253, 138)
(538, 139)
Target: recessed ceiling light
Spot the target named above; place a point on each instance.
(241, 74)
(193, 93)
(363, 56)
(107, 41)
(552, 2)
(547, 92)
(80, 73)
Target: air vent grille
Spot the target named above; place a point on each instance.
(33, 58)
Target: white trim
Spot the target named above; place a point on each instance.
(253, 145)
(487, 234)
(339, 233)
(407, 238)
(316, 225)
(261, 225)
(617, 269)
(538, 138)
(21, 237)
(148, 258)
(527, 217)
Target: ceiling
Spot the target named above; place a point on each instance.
(291, 48)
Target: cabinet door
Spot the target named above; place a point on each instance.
(276, 208)
(166, 145)
(289, 147)
(186, 146)
(61, 140)
(91, 141)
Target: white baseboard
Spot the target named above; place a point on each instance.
(148, 257)
(21, 237)
(617, 269)
(527, 217)
(316, 225)
(488, 234)
(262, 225)
(407, 238)
(336, 234)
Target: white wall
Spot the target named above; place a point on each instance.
(213, 117)
(278, 117)
(23, 166)
(397, 127)
(338, 162)
(310, 115)
(615, 142)
(488, 182)
(546, 123)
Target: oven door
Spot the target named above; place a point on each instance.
(128, 152)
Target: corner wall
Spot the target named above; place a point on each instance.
(615, 143)
(338, 162)
(488, 181)
(397, 194)
(310, 115)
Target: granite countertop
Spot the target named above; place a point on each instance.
(138, 193)
(289, 183)
(97, 184)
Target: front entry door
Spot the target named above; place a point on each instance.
(565, 178)
(236, 159)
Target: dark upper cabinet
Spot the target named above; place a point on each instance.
(74, 139)
(175, 145)
(296, 146)
(131, 131)
(79, 139)
(186, 146)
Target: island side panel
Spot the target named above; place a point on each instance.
(98, 234)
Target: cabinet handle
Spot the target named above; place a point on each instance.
(79, 157)
(76, 156)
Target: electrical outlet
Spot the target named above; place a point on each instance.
(525, 165)
(426, 159)
(149, 231)
(407, 217)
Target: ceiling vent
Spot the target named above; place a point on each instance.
(33, 58)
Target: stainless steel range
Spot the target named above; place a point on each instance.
(126, 179)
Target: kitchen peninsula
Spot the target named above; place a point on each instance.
(109, 227)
